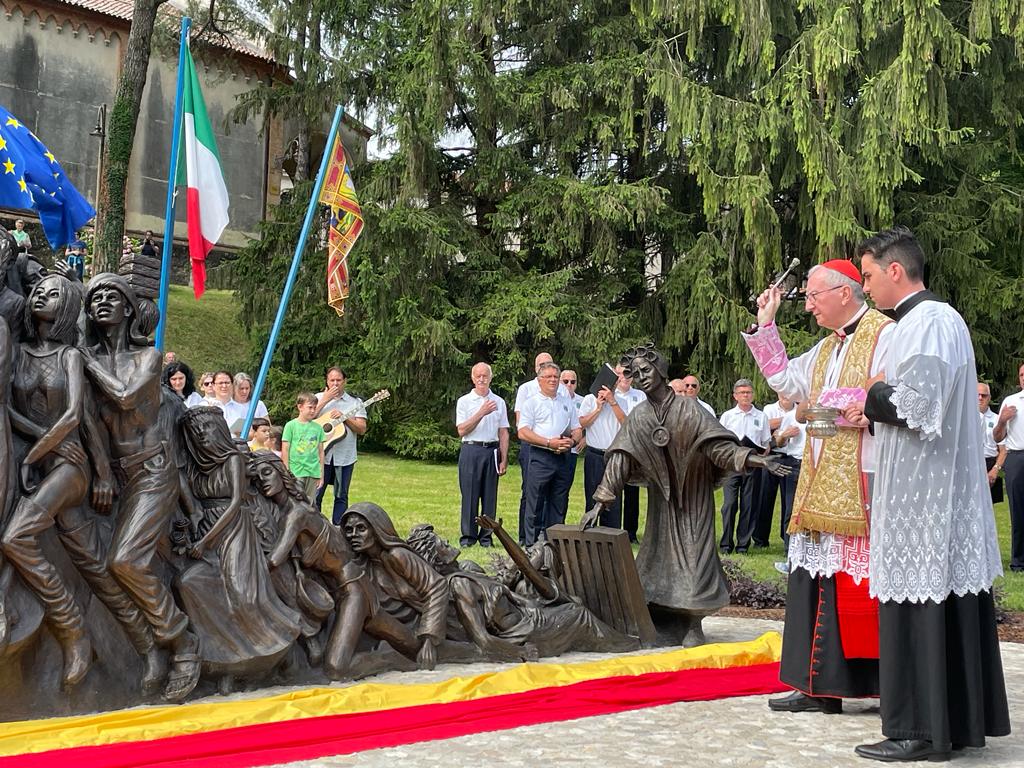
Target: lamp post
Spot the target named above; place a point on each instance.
(100, 131)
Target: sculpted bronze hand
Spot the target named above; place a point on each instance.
(769, 463)
(592, 517)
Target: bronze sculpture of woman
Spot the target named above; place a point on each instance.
(322, 548)
(243, 626)
(47, 393)
(408, 588)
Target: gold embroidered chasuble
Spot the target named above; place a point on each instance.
(831, 496)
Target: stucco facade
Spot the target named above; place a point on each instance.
(59, 61)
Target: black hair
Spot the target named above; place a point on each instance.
(899, 245)
(178, 367)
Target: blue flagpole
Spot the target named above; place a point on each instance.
(165, 263)
(289, 284)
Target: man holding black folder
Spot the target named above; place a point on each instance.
(601, 414)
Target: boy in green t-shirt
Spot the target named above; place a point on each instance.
(302, 445)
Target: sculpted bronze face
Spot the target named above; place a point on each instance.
(108, 306)
(46, 299)
(645, 376)
(268, 479)
(360, 534)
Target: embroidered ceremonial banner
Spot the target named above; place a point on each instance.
(345, 227)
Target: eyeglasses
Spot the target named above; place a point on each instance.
(812, 298)
(690, 386)
(568, 381)
(208, 383)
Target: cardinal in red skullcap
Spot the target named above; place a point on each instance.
(830, 649)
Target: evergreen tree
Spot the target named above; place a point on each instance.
(576, 177)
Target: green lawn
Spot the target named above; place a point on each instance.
(205, 334)
(417, 491)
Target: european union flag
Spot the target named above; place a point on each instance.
(32, 179)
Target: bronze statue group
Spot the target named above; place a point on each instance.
(209, 561)
(144, 547)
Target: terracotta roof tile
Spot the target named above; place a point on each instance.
(122, 9)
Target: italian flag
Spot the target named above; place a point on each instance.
(199, 169)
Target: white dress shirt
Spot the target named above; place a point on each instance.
(1014, 427)
(233, 411)
(486, 430)
(605, 427)
(752, 424)
(773, 411)
(988, 421)
(795, 445)
(707, 407)
(529, 389)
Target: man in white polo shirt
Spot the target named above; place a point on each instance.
(690, 386)
(1010, 427)
(995, 453)
(549, 423)
(524, 392)
(601, 415)
(481, 420)
(751, 426)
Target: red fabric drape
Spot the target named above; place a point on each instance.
(315, 737)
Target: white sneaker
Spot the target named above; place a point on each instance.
(782, 567)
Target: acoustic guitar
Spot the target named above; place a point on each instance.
(334, 429)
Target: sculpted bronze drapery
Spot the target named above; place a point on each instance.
(145, 552)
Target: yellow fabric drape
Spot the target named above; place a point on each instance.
(143, 724)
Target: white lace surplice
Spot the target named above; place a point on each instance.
(932, 528)
(826, 554)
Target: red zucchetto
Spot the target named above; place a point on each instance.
(844, 267)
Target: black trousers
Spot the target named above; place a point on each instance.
(524, 467)
(478, 483)
(997, 487)
(764, 506)
(940, 671)
(812, 649)
(1014, 469)
(739, 492)
(547, 487)
(787, 489)
(624, 512)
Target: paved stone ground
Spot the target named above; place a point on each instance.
(736, 732)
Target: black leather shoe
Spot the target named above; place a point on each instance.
(902, 751)
(800, 702)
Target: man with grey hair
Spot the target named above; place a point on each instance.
(525, 391)
(550, 424)
(751, 427)
(830, 647)
(481, 419)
